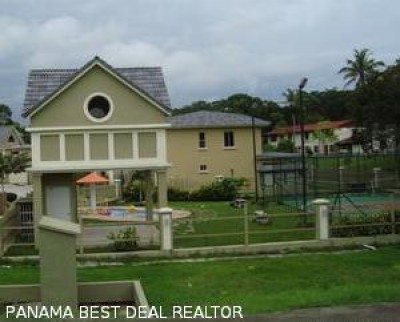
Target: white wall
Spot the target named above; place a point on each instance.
(311, 142)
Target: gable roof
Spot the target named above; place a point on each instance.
(311, 127)
(5, 132)
(208, 119)
(45, 84)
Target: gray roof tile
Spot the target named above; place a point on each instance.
(208, 119)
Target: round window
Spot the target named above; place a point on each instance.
(98, 107)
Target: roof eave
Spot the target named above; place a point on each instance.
(219, 126)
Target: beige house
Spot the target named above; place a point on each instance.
(205, 146)
(95, 118)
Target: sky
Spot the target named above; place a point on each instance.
(208, 49)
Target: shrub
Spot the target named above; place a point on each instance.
(124, 240)
(175, 194)
(133, 191)
(364, 225)
(224, 190)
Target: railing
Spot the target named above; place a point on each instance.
(366, 220)
(11, 232)
(243, 229)
(218, 228)
(116, 236)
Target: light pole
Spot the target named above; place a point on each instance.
(302, 84)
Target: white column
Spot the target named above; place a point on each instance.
(161, 145)
(93, 202)
(322, 218)
(36, 148)
(62, 147)
(165, 217)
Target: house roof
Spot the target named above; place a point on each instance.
(5, 132)
(44, 83)
(92, 178)
(208, 119)
(311, 127)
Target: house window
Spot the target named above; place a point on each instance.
(203, 168)
(98, 107)
(316, 148)
(306, 135)
(273, 138)
(229, 139)
(202, 140)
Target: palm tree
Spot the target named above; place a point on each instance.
(361, 68)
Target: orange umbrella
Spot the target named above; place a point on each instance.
(92, 179)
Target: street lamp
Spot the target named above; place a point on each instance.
(302, 84)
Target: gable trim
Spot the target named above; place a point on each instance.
(96, 62)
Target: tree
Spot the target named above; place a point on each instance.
(286, 146)
(324, 135)
(360, 69)
(377, 108)
(5, 115)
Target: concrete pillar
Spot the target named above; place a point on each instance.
(165, 217)
(57, 249)
(376, 177)
(149, 189)
(322, 218)
(38, 199)
(162, 188)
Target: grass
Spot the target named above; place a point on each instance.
(210, 219)
(259, 285)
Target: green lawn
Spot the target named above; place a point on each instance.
(259, 285)
(210, 218)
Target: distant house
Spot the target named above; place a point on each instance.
(12, 142)
(319, 138)
(206, 146)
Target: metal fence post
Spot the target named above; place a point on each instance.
(246, 223)
(393, 214)
(165, 218)
(376, 178)
(1, 238)
(322, 218)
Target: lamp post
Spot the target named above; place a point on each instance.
(302, 84)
